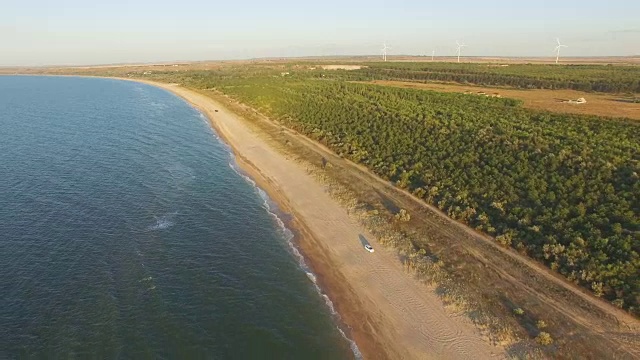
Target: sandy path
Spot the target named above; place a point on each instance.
(409, 319)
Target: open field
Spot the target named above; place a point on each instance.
(341, 67)
(614, 79)
(549, 100)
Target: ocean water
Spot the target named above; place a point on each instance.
(126, 232)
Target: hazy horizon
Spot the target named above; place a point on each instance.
(39, 33)
(327, 57)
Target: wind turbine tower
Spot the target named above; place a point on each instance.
(557, 49)
(433, 54)
(384, 51)
(460, 46)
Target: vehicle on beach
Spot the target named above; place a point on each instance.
(369, 248)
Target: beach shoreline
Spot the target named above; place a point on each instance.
(378, 297)
(387, 312)
(330, 282)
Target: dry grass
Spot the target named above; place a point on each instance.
(550, 100)
(341, 67)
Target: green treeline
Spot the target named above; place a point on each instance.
(564, 189)
(600, 78)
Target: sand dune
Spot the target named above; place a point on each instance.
(391, 315)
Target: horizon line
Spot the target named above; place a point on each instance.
(328, 57)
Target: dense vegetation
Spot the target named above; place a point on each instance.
(564, 189)
(611, 79)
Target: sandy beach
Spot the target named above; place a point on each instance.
(389, 313)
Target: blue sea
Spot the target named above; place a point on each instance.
(126, 231)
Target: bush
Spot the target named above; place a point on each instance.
(504, 240)
(403, 215)
(518, 311)
(541, 324)
(544, 338)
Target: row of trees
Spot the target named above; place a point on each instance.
(610, 79)
(564, 189)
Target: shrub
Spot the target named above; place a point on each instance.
(518, 311)
(544, 338)
(540, 324)
(403, 215)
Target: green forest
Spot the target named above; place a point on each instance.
(599, 78)
(563, 189)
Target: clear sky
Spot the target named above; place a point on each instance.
(55, 32)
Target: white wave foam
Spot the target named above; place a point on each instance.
(161, 225)
(352, 344)
(216, 136)
(163, 222)
(206, 122)
(288, 236)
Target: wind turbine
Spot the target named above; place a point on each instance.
(557, 49)
(384, 51)
(460, 46)
(433, 53)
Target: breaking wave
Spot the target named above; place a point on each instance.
(163, 222)
(288, 236)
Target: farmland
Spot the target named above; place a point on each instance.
(596, 78)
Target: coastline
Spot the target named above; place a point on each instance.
(500, 278)
(298, 232)
(388, 313)
(282, 214)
